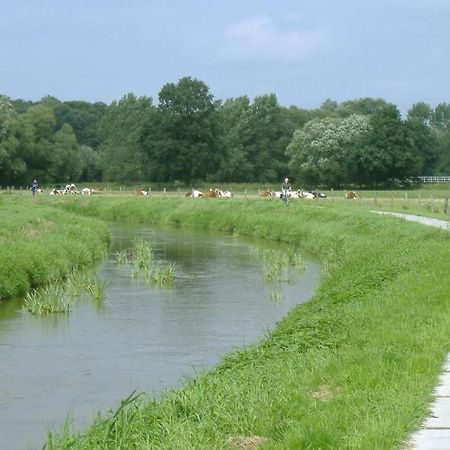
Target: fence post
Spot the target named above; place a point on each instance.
(149, 191)
(246, 197)
(392, 200)
(432, 203)
(376, 198)
(178, 192)
(446, 205)
(164, 192)
(420, 200)
(405, 203)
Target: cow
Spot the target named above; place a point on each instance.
(351, 195)
(140, 193)
(194, 193)
(223, 194)
(211, 194)
(265, 193)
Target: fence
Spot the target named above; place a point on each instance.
(435, 179)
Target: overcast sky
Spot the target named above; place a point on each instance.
(304, 51)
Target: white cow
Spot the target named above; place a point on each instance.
(224, 194)
(194, 193)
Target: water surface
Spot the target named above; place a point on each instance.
(143, 338)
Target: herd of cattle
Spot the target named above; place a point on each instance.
(211, 193)
(72, 189)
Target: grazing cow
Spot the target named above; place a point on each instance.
(194, 193)
(56, 192)
(144, 193)
(86, 191)
(265, 193)
(351, 195)
(223, 194)
(211, 194)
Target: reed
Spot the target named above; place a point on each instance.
(164, 273)
(96, 289)
(141, 260)
(280, 265)
(51, 299)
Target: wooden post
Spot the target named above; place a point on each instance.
(246, 193)
(446, 205)
(420, 200)
(164, 192)
(405, 203)
(376, 198)
(432, 203)
(392, 200)
(149, 191)
(179, 192)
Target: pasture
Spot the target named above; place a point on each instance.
(353, 368)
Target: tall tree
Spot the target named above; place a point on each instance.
(122, 157)
(385, 154)
(320, 151)
(418, 123)
(181, 142)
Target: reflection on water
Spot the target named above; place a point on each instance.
(144, 338)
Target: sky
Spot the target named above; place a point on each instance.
(304, 51)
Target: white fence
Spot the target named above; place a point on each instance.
(435, 179)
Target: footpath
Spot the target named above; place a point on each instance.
(435, 431)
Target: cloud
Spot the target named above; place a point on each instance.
(260, 39)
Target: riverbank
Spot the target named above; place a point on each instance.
(40, 244)
(353, 368)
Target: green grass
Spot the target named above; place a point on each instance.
(354, 368)
(40, 244)
(51, 299)
(141, 260)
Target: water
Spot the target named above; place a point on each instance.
(142, 338)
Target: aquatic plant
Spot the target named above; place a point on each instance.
(50, 299)
(164, 273)
(96, 289)
(280, 265)
(140, 258)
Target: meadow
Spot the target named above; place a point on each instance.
(354, 368)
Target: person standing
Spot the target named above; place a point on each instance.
(34, 187)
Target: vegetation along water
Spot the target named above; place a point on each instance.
(353, 368)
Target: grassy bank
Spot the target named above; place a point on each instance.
(352, 369)
(40, 244)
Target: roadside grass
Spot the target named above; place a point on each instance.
(354, 368)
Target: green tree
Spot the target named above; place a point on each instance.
(122, 157)
(235, 135)
(181, 140)
(418, 123)
(386, 154)
(320, 151)
(12, 165)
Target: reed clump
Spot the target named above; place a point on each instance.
(48, 300)
(140, 258)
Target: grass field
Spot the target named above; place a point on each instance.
(352, 369)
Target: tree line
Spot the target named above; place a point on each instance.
(190, 137)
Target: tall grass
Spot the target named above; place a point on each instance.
(40, 244)
(354, 368)
(141, 260)
(50, 299)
